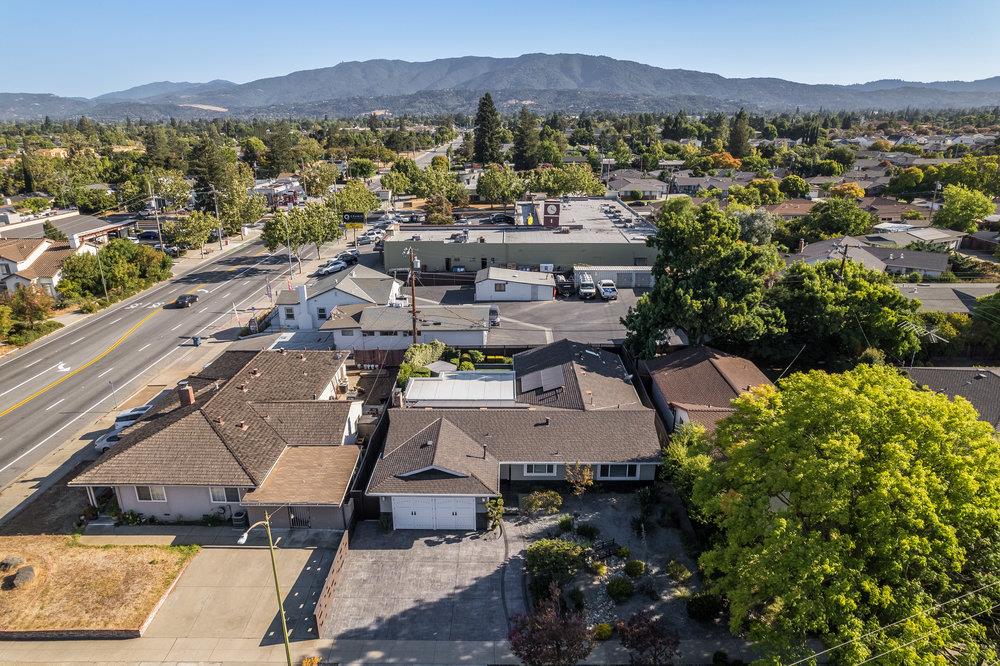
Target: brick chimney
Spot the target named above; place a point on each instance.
(186, 394)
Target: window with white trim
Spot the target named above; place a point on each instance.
(150, 494)
(289, 313)
(621, 471)
(543, 469)
(321, 313)
(499, 286)
(224, 495)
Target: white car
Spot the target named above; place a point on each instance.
(609, 291)
(130, 416)
(586, 290)
(334, 266)
(107, 440)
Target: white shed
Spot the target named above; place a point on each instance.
(501, 284)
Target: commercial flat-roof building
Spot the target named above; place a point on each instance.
(549, 235)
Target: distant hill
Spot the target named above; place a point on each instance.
(570, 82)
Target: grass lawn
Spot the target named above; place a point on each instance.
(87, 587)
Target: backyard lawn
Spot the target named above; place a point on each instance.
(86, 587)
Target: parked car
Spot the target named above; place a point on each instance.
(457, 268)
(148, 235)
(494, 315)
(379, 245)
(609, 291)
(564, 285)
(364, 240)
(349, 257)
(331, 267)
(169, 250)
(107, 440)
(587, 289)
(501, 218)
(185, 300)
(130, 416)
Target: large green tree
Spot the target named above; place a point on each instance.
(740, 135)
(830, 219)
(499, 184)
(708, 281)
(860, 510)
(487, 133)
(963, 208)
(526, 141)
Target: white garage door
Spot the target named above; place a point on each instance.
(434, 513)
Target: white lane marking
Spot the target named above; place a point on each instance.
(80, 339)
(176, 327)
(229, 292)
(147, 344)
(29, 379)
(54, 404)
(33, 363)
(106, 372)
(203, 309)
(171, 291)
(62, 367)
(110, 395)
(115, 321)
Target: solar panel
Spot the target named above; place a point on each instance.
(552, 378)
(531, 381)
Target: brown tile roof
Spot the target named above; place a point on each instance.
(592, 378)
(227, 437)
(49, 263)
(308, 475)
(703, 376)
(19, 249)
(509, 436)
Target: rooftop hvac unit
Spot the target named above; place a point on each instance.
(546, 268)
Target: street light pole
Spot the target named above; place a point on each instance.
(274, 571)
(156, 212)
(114, 393)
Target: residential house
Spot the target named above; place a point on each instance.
(251, 432)
(38, 261)
(876, 257)
(944, 237)
(502, 284)
(791, 209)
(698, 384)
(367, 328)
(980, 386)
(953, 297)
(645, 188)
(309, 305)
(985, 241)
(891, 210)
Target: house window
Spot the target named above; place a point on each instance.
(547, 469)
(224, 495)
(499, 286)
(347, 332)
(367, 334)
(289, 313)
(618, 472)
(150, 494)
(321, 313)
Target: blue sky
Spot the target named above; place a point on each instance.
(88, 48)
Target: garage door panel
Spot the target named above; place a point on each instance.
(413, 513)
(429, 513)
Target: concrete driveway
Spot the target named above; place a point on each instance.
(424, 586)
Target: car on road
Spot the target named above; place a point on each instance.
(331, 267)
(494, 315)
(587, 289)
(130, 416)
(458, 268)
(609, 291)
(185, 300)
(107, 440)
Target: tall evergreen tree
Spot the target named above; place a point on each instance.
(486, 142)
(739, 135)
(526, 139)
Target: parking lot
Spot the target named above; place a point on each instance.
(540, 322)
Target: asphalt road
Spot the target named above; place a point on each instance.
(54, 387)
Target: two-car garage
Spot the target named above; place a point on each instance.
(414, 512)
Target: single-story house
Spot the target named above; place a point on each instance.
(646, 188)
(980, 386)
(252, 431)
(38, 261)
(502, 284)
(791, 209)
(309, 305)
(946, 237)
(390, 327)
(987, 241)
(894, 260)
(954, 297)
(698, 384)
(466, 388)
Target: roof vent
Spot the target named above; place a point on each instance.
(546, 421)
(429, 442)
(220, 420)
(282, 351)
(302, 357)
(254, 372)
(242, 425)
(243, 387)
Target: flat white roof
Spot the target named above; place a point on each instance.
(463, 387)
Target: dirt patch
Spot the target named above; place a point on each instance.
(56, 510)
(87, 587)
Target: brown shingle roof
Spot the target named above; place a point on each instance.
(19, 249)
(703, 376)
(308, 475)
(49, 263)
(592, 378)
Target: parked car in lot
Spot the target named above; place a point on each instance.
(169, 250)
(564, 285)
(364, 240)
(148, 235)
(107, 440)
(349, 257)
(333, 266)
(500, 218)
(609, 291)
(587, 289)
(494, 315)
(130, 416)
(185, 300)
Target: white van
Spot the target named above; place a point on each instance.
(587, 288)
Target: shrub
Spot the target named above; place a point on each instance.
(624, 552)
(587, 531)
(647, 640)
(576, 597)
(466, 365)
(476, 356)
(565, 523)
(635, 568)
(579, 477)
(423, 353)
(494, 512)
(541, 501)
(603, 631)
(620, 589)
(553, 561)
(454, 360)
(704, 606)
(598, 568)
(678, 571)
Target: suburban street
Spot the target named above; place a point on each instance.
(55, 386)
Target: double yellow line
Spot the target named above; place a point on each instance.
(83, 367)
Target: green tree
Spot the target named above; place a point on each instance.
(279, 154)
(52, 232)
(238, 206)
(191, 230)
(440, 163)
(353, 197)
(830, 219)
(622, 155)
(487, 138)
(499, 184)
(756, 226)
(361, 168)
(31, 304)
(253, 152)
(769, 189)
(6, 321)
(794, 187)
(708, 281)
(836, 315)
(318, 177)
(396, 182)
(319, 224)
(740, 135)
(963, 209)
(850, 507)
(211, 163)
(438, 209)
(526, 141)
(578, 179)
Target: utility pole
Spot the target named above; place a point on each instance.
(215, 196)
(413, 292)
(156, 212)
(843, 261)
(100, 267)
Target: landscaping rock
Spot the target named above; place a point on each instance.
(23, 577)
(10, 562)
